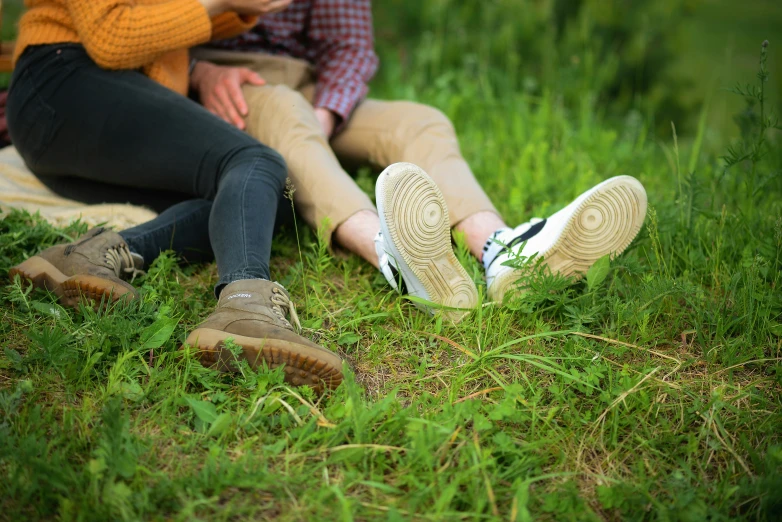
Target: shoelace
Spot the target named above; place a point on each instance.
(388, 265)
(282, 301)
(118, 258)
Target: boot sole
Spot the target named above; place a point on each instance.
(606, 222)
(414, 219)
(70, 290)
(304, 365)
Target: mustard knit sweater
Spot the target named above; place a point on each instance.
(151, 35)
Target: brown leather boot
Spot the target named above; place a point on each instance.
(90, 268)
(252, 313)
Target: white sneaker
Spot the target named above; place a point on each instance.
(414, 242)
(602, 220)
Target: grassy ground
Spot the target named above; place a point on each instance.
(648, 391)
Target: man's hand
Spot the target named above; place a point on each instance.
(220, 90)
(327, 120)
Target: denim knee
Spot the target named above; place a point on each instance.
(266, 161)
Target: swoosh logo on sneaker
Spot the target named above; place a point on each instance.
(533, 230)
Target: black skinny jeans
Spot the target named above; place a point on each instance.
(75, 123)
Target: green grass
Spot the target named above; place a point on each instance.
(650, 391)
(721, 49)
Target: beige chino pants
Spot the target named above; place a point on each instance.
(378, 133)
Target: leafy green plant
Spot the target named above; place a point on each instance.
(754, 122)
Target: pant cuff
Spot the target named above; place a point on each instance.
(465, 213)
(335, 220)
(238, 276)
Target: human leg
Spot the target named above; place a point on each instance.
(398, 133)
(353, 233)
(90, 192)
(131, 131)
(179, 228)
(282, 116)
(414, 242)
(385, 132)
(324, 194)
(570, 241)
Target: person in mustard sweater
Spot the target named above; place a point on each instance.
(97, 99)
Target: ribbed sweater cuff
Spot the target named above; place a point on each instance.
(196, 26)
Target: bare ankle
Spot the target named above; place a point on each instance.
(357, 234)
(477, 228)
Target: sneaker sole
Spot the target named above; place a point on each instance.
(304, 365)
(606, 222)
(414, 218)
(70, 290)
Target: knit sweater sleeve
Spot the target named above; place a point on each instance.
(227, 25)
(119, 34)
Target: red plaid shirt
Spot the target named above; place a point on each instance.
(333, 35)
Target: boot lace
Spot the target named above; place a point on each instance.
(118, 258)
(281, 304)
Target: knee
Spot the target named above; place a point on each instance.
(280, 106)
(280, 117)
(263, 161)
(271, 163)
(284, 99)
(418, 120)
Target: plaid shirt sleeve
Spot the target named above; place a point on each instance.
(343, 48)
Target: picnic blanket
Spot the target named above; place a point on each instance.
(19, 188)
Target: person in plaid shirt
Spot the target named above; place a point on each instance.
(298, 81)
(334, 36)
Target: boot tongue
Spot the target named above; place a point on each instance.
(138, 261)
(259, 296)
